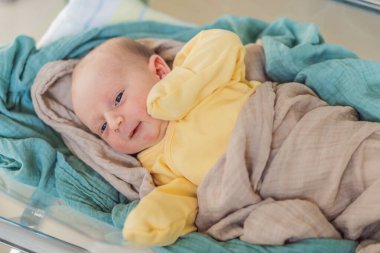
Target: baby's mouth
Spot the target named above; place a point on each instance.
(134, 131)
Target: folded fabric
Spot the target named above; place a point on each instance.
(294, 168)
(333, 72)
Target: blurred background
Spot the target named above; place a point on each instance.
(30, 17)
(340, 22)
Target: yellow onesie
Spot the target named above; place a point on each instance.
(201, 97)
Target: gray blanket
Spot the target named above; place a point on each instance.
(295, 168)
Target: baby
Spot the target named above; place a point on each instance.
(177, 121)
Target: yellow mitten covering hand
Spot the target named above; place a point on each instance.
(163, 215)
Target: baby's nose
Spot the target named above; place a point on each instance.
(113, 121)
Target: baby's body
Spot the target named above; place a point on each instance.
(179, 122)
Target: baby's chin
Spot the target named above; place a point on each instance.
(131, 150)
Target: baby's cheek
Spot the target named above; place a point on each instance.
(148, 136)
(119, 145)
(152, 135)
(144, 113)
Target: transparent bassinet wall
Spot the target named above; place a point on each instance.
(34, 221)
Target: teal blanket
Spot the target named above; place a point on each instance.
(33, 153)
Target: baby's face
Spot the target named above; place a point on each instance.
(110, 99)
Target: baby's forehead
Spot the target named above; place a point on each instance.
(114, 47)
(97, 60)
(109, 58)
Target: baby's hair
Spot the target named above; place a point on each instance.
(127, 45)
(134, 47)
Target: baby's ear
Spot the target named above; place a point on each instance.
(158, 65)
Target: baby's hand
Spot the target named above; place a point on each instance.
(163, 215)
(141, 232)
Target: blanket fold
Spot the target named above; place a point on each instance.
(294, 168)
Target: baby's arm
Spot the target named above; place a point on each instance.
(163, 215)
(207, 62)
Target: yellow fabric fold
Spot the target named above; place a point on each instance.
(209, 61)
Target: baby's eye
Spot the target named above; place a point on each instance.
(118, 98)
(103, 128)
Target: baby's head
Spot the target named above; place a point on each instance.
(109, 94)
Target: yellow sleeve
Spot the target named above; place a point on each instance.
(212, 59)
(163, 215)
